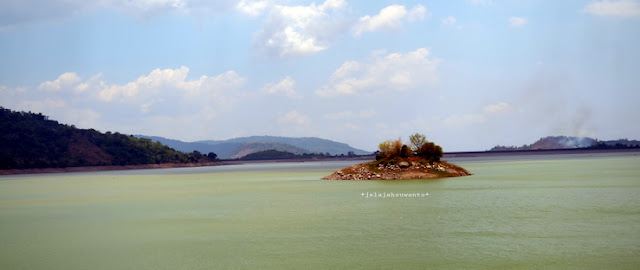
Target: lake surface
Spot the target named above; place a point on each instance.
(524, 212)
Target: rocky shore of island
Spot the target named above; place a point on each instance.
(401, 170)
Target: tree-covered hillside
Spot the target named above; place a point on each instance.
(30, 140)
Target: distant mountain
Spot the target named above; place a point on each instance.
(240, 147)
(187, 147)
(29, 140)
(569, 142)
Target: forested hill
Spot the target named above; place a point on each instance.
(29, 140)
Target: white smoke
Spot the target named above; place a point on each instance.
(554, 105)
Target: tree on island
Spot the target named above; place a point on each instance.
(420, 147)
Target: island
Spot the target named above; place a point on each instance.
(396, 160)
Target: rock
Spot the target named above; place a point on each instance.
(401, 170)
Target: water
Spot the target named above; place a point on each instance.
(562, 212)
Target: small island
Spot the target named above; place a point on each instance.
(395, 160)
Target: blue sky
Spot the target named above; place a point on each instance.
(470, 74)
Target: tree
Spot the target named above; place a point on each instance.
(417, 140)
(212, 156)
(405, 152)
(430, 151)
(391, 148)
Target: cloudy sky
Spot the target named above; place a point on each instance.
(470, 73)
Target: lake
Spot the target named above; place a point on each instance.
(518, 212)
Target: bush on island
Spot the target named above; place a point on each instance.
(420, 147)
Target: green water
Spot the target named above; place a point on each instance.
(559, 212)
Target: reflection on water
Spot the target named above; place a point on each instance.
(530, 212)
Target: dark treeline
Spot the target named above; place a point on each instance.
(607, 145)
(30, 140)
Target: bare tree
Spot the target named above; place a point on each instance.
(417, 141)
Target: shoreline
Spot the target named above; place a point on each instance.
(538, 152)
(223, 162)
(109, 168)
(364, 158)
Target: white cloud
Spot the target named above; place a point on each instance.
(418, 12)
(252, 8)
(284, 87)
(293, 117)
(345, 69)
(391, 72)
(65, 81)
(158, 85)
(291, 31)
(390, 18)
(162, 81)
(94, 82)
(498, 108)
(449, 20)
(152, 82)
(517, 21)
(621, 8)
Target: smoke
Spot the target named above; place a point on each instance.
(576, 142)
(555, 107)
(580, 121)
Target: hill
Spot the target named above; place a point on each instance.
(240, 147)
(30, 140)
(569, 142)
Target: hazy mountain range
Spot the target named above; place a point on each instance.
(240, 147)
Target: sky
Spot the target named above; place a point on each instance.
(470, 74)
